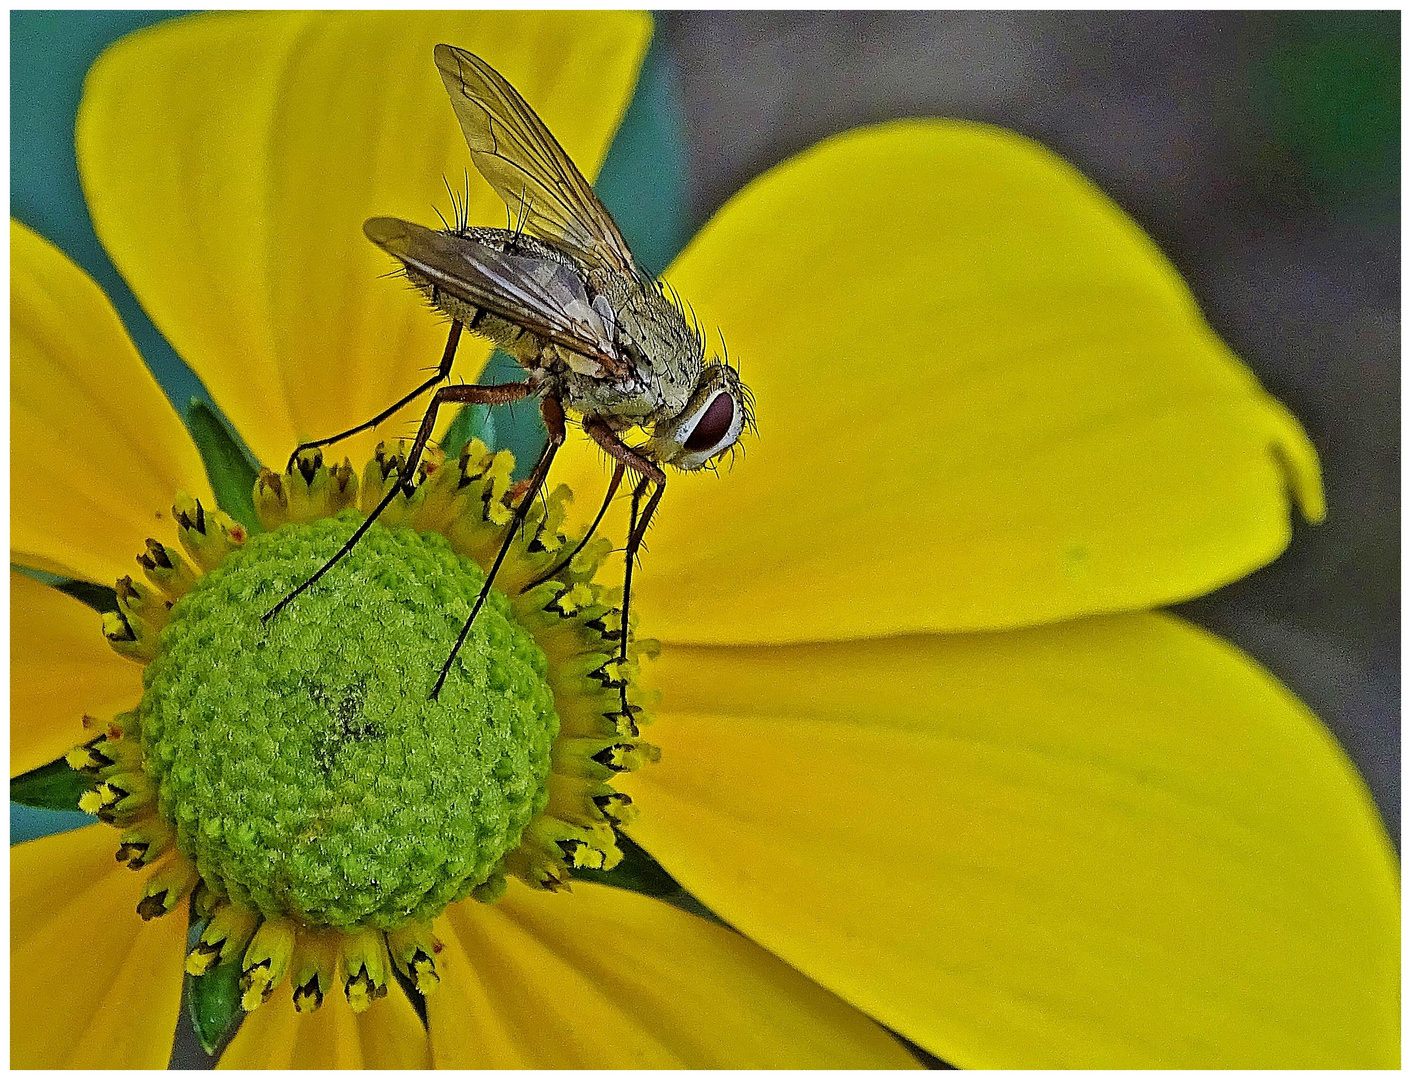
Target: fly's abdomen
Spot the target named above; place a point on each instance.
(522, 344)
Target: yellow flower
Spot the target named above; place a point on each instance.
(924, 745)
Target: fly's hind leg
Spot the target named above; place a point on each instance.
(651, 474)
(474, 395)
(442, 370)
(554, 422)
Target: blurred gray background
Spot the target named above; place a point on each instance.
(1260, 150)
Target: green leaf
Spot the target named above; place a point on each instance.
(213, 1002)
(231, 469)
(50, 787)
(472, 422)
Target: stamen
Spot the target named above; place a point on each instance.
(385, 470)
(588, 802)
(271, 503)
(90, 757)
(168, 885)
(365, 967)
(129, 636)
(413, 949)
(230, 929)
(119, 799)
(145, 843)
(601, 759)
(207, 536)
(315, 967)
(266, 962)
(167, 570)
(142, 602)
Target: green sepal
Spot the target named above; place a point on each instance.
(414, 995)
(213, 1003)
(50, 787)
(639, 872)
(472, 422)
(229, 466)
(98, 597)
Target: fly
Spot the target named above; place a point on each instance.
(598, 338)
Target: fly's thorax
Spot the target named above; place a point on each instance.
(665, 351)
(588, 395)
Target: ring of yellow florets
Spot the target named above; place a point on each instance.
(298, 777)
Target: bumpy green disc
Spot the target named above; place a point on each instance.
(303, 763)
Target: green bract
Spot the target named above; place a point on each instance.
(302, 761)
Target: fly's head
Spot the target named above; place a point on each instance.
(718, 411)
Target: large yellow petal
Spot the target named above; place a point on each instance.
(602, 978)
(230, 161)
(388, 1036)
(91, 985)
(985, 400)
(1110, 843)
(96, 451)
(61, 669)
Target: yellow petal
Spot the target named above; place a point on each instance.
(388, 1036)
(91, 985)
(601, 978)
(230, 160)
(984, 399)
(96, 451)
(1110, 843)
(61, 669)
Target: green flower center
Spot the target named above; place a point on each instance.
(302, 762)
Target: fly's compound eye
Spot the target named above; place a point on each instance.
(710, 423)
(715, 423)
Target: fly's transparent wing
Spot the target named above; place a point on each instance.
(524, 163)
(545, 297)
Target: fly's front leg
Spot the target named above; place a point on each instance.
(553, 420)
(607, 499)
(443, 370)
(474, 395)
(651, 474)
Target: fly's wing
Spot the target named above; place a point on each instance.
(545, 297)
(525, 164)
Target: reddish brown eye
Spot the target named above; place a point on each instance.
(713, 426)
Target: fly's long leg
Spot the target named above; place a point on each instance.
(650, 473)
(607, 499)
(553, 421)
(475, 395)
(442, 371)
(636, 531)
